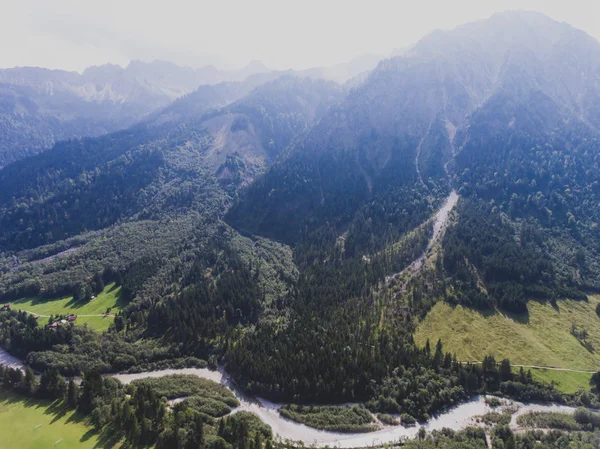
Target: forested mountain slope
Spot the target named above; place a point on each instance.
(488, 96)
(39, 107)
(363, 149)
(486, 109)
(151, 169)
(167, 181)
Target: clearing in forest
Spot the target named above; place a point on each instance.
(546, 335)
(110, 297)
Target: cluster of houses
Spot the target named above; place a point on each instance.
(54, 325)
(62, 322)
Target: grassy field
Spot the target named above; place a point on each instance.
(540, 337)
(110, 297)
(19, 418)
(567, 382)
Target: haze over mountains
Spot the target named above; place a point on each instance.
(514, 72)
(271, 222)
(41, 106)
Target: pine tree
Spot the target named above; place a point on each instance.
(72, 394)
(258, 440)
(505, 370)
(439, 354)
(30, 381)
(135, 430)
(221, 430)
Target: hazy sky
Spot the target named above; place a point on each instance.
(74, 34)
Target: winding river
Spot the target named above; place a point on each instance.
(456, 418)
(8, 360)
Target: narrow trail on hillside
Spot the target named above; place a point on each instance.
(48, 316)
(550, 368)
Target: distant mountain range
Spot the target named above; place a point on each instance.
(39, 106)
(228, 133)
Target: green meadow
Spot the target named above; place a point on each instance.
(540, 337)
(34, 424)
(110, 297)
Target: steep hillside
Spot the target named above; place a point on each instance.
(451, 105)
(168, 181)
(256, 129)
(142, 169)
(366, 149)
(409, 109)
(30, 122)
(483, 104)
(542, 336)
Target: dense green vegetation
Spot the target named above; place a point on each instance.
(471, 438)
(489, 267)
(327, 205)
(336, 418)
(548, 420)
(503, 438)
(557, 439)
(540, 171)
(497, 418)
(389, 420)
(208, 406)
(582, 419)
(76, 349)
(182, 385)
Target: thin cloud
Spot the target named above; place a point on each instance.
(283, 34)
